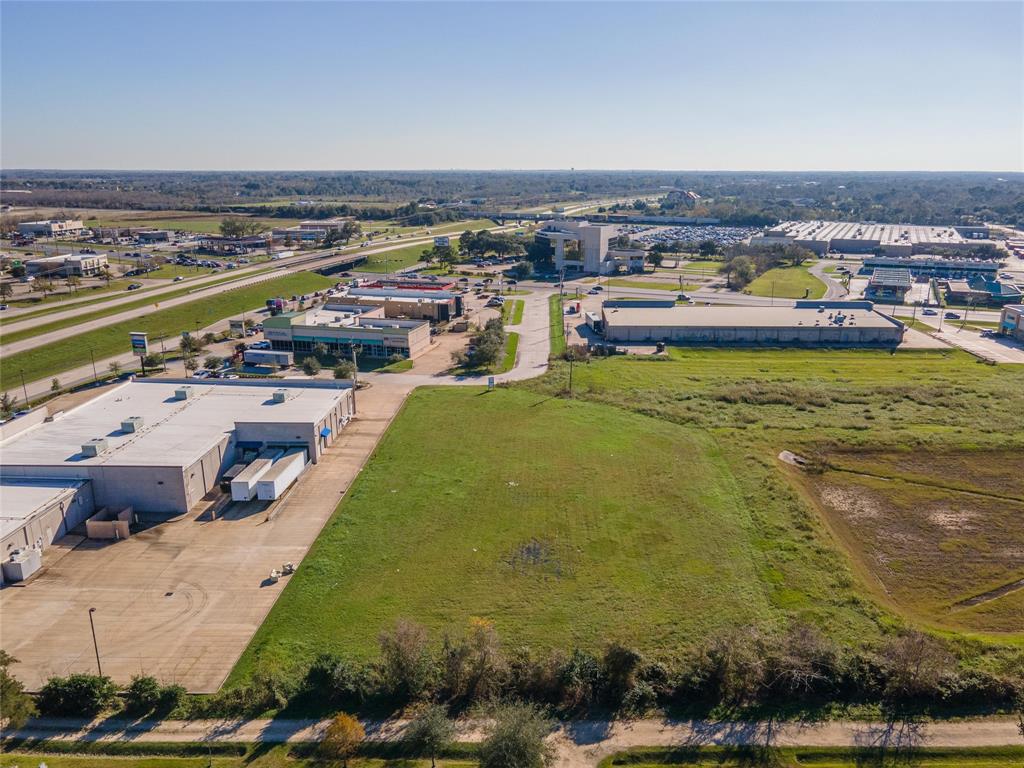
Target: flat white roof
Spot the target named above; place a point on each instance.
(741, 317)
(20, 499)
(173, 432)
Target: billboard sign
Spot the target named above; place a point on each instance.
(140, 343)
(236, 326)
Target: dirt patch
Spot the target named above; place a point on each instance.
(952, 519)
(851, 502)
(931, 549)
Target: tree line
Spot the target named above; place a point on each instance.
(738, 670)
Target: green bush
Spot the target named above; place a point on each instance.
(77, 695)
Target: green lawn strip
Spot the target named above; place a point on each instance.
(111, 340)
(393, 260)
(623, 283)
(397, 367)
(144, 301)
(815, 757)
(512, 312)
(560, 543)
(57, 302)
(508, 362)
(57, 754)
(556, 328)
(788, 283)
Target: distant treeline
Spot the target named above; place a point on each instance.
(734, 197)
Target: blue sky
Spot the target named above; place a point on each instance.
(730, 85)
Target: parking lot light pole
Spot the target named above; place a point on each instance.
(95, 645)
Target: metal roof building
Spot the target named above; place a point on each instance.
(858, 237)
(161, 445)
(809, 323)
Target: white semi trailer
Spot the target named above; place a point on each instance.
(285, 471)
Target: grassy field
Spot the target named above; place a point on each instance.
(788, 283)
(955, 415)
(652, 509)
(623, 283)
(187, 221)
(111, 340)
(390, 261)
(143, 301)
(816, 757)
(514, 514)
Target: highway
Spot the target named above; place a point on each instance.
(308, 261)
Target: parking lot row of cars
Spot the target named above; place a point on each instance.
(698, 233)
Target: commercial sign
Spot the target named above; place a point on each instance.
(140, 343)
(442, 241)
(236, 326)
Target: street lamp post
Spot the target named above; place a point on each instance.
(24, 389)
(95, 376)
(95, 645)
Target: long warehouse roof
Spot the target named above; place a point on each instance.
(742, 317)
(172, 433)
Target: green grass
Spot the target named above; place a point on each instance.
(512, 312)
(111, 340)
(816, 757)
(144, 301)
(200, 755)
(623, 283)
(556, 327)
(554, 540)
(398, 367)
(188, 222)
(393, 260)
(508, 362)
(788, 283)
(56, 302)
(665, 518)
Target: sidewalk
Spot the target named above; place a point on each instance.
(577, 743)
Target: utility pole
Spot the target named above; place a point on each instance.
(95, 376)
(95, 645)
(24, 389)
(571, 358)
(355, 377)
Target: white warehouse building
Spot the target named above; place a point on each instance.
(155, 446)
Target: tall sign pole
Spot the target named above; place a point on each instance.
(140, 347)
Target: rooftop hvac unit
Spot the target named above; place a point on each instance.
(132, 424)
(280, 395)
(95, 447)
(183, 393)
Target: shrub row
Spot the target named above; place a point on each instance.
(743, 668)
